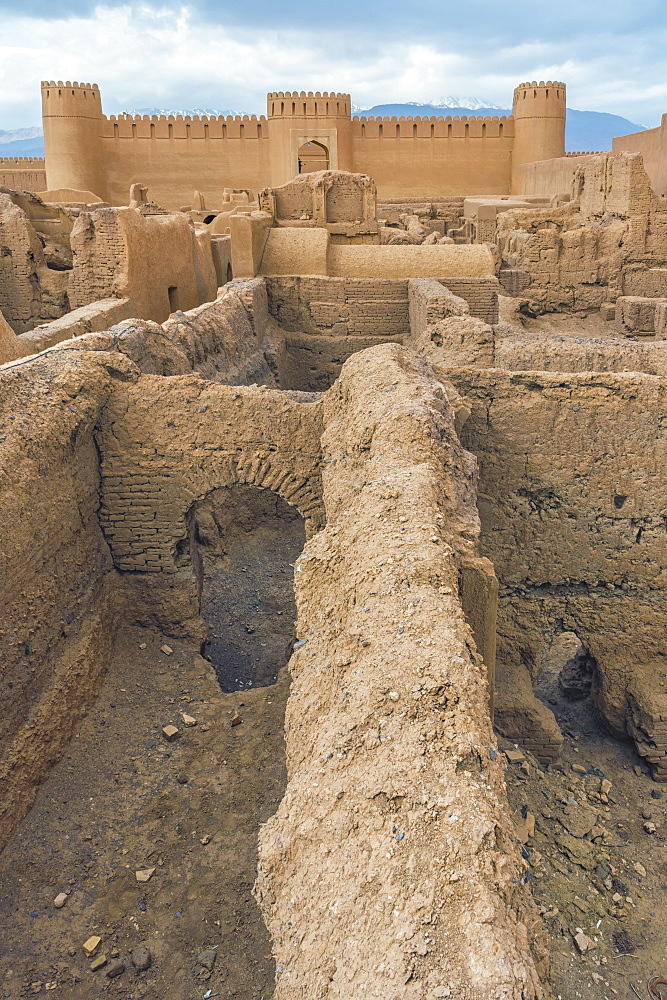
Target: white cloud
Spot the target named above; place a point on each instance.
(145, 56)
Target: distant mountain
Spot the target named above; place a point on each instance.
(585, 130)
(185, 112)
(22, 142)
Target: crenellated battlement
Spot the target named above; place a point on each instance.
(539, 99)
(59, 85)
(186, 118)
(306, 104)
(70, 100)
(433, 118)
(296, 94)
(24, 162)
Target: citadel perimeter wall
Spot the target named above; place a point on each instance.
(23, 173)
(87, 151)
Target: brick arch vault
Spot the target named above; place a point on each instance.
(165, 444)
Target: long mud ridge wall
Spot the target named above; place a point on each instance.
(390, 869)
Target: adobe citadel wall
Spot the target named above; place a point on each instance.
(85, 150)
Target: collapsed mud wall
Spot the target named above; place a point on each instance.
(609, 242)
(33, 285)
(55, 567)
(390, 868)
(572, 501)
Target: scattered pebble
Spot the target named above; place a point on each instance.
(236, 720)
(188, 720)
(144, 875)
(116, 969)
(141, 958)
(98, 962)
(167, 650)
(60, 900)
(583, 942)
(91, 945)
(207, 958)
(171, 733)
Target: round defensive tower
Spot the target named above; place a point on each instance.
(539, 124)
(308, 131)
(72, 118)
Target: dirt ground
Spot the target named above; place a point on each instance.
(592, 866)
(124, 800)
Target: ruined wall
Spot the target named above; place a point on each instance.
(55, 567)
(339, 307)
(442, 328)
(572, 502)
(613, 241)
(32, 290)
(390, 869)
(158, 262)
(537, 352)
(153, 472)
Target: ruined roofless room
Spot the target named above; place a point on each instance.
(332, 544)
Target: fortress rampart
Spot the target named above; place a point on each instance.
(302, 131)
(23, 173)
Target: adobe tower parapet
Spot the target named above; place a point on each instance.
(308, 131)
(299, 104)
(72, 117)
(539, 112)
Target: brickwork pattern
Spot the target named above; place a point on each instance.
(214, 436)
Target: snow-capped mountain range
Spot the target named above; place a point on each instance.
(470, 103)
(585, 130)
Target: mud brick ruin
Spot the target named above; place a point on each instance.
(386, 440)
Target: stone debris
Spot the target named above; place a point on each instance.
(514, 756)
(145, 874)
(60, 900)
(205, 840)
(141, 958)
(167, 650)
(236, 720)
(188, 720)
(207, 959)
(171, 733)
(578, 820)
(98, 962)
(583, 942)
(115, 969)
(91, 945)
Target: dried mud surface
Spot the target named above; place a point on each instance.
(609, 883)
(114, 805)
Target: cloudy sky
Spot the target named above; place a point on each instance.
(207, 53)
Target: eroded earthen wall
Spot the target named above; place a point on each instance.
(572, 501)
(389, 869)
(56, 570)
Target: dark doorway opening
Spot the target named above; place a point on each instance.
(245, 541)
(174, 303)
